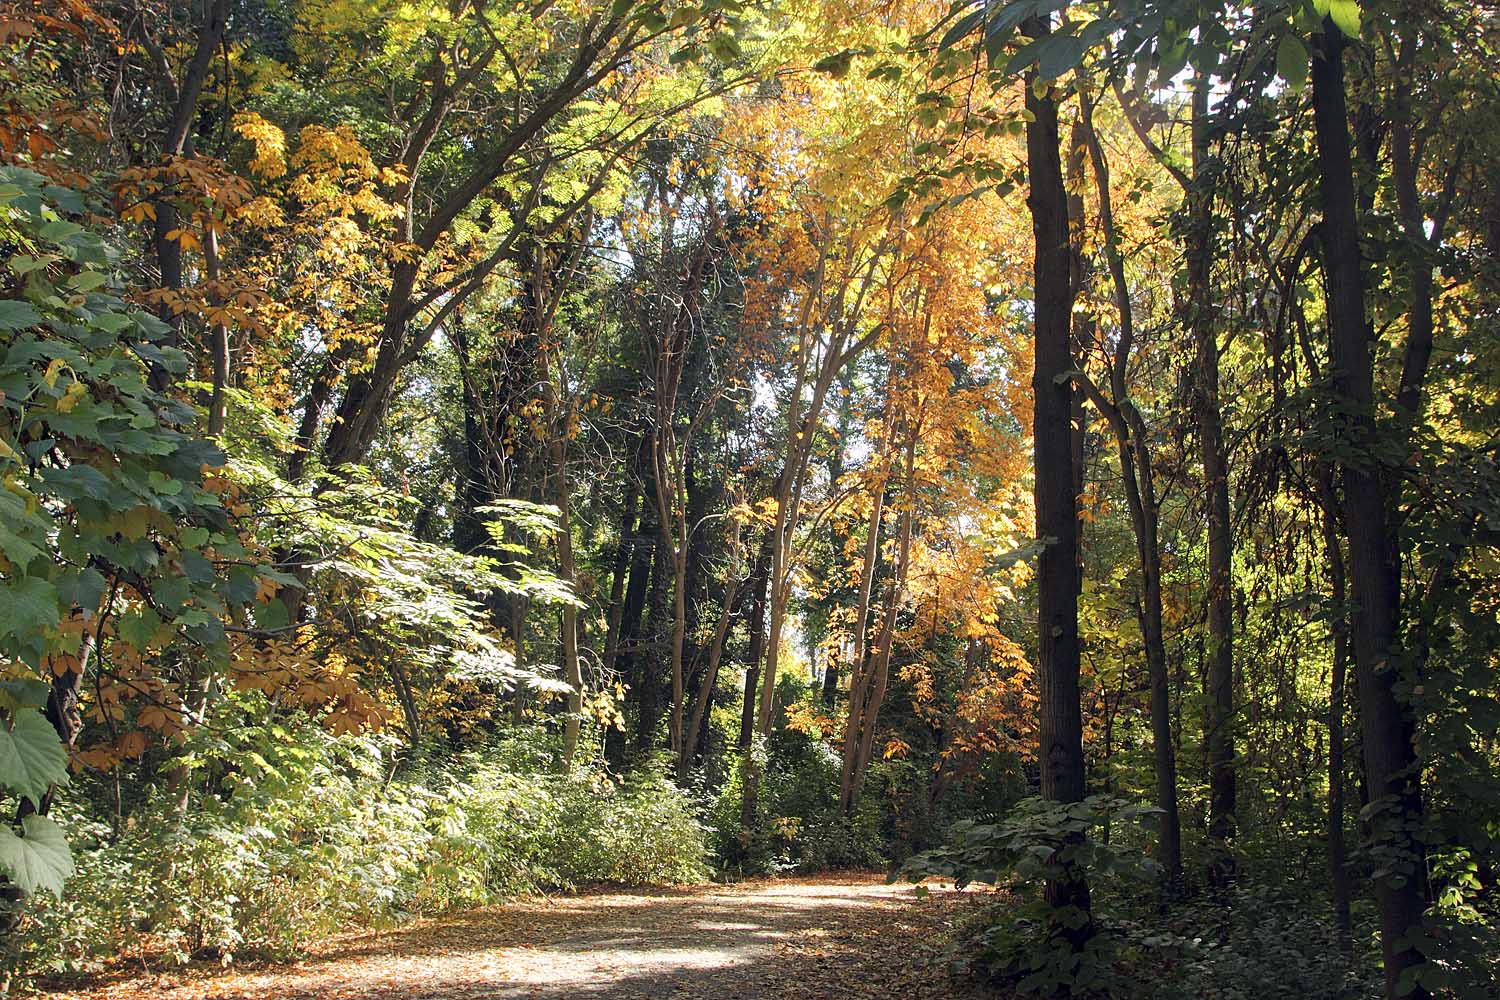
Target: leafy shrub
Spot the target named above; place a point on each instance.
(797, 824)
(306, 834)
(1026, 945)
(1224, 947)
(1220, 945)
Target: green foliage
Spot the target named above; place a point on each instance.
(1225, 946)
(31, 758)
(1026, 945)
(1037, 840)
(304, 835)
(103, 486)
(39, 857)
(102, 476)
(797, 824)
(426, 600)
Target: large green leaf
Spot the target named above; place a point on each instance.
(1345, 14)
(27, 604)
(31, 756)
(1291, 62)
(16, 315)
(39, 857)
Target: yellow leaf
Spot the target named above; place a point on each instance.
(71, 397)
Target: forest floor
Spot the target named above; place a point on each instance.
(843, 936)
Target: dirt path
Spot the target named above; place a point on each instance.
(846, 937)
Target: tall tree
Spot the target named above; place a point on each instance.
(1057, 573)
(1392, 768)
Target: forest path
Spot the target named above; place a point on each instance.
(847, 936)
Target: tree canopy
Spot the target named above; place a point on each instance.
(451, 449)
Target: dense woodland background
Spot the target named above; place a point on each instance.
(456, 448)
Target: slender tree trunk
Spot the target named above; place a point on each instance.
(517, 608)
(572, 671)
(679, 640)
(178, 142)
(630, 650)
(1134, 444)
(1392, 767)
(760, 581)
(643, 596)
(732, 593)
(860, 669)
(617, 577)
(869, 714)
(1338, 867)
(1057, 580)
(218, 338)
(1219, 739)
(649, 678)
(836, 536)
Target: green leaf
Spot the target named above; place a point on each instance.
(1054, 55)
(1345, 14)
(26, 605)
(24, 692)
(39, 858)
(725, 47)
(138, 627)
(58, 231)
(836, 65)
(962, 28)
(31, 755)
(16, 315)
(84, 589)
(1061, 54)
(1291, 62)
(272, 614)
(87, 281)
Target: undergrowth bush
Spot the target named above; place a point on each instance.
(797, 824)
(306, 834)
(1225, 944)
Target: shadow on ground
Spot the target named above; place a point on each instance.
(802, 938)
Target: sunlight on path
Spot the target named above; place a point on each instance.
(797, 938)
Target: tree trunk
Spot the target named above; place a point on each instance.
(1392, 767)
(630, 648)
(1219, 738)
(860, 668)
(648, 661)
(617, 577)
(867, 716)
(760, 580)
(1134, 444)
(1057, 580)
(572, 671)
(1338, 869)
(733, 591)
(178, 142)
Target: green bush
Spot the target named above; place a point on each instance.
(1260, 938)
(306, 834)
(797, 824)
(1225, 947)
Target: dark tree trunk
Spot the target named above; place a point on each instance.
(1338, 869)
(178, 142)
(1134, 445)
(760, 584)
(649, 666)
(1219, 680)
(617, 577)
(1392, 767)
(629, 648)
(1057, 579)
